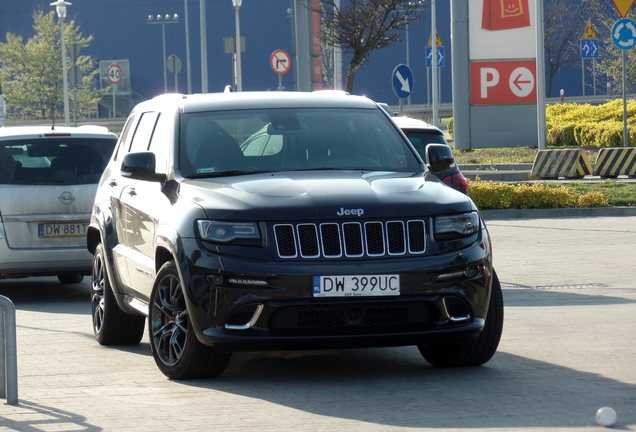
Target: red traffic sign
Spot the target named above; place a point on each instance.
(113, 74)
(623, 6)
(503, 82)
(280, 62)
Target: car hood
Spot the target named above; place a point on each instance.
(320, 195)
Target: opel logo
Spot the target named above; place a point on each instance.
(66, 197)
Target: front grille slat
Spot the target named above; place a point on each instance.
(351, 239)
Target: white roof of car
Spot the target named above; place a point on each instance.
(85, 131)
(412, 123)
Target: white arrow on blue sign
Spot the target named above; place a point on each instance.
(589, 48)
(402, 79)
(441, 56)
(624, 34)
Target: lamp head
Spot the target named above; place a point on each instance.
(60, 8)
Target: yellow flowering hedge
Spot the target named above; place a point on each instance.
(495, 195)
(585, 125)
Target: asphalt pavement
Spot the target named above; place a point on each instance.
(567, 349)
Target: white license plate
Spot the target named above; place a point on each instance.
(356, 285)
(52, 230)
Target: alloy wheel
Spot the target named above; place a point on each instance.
(169, 320)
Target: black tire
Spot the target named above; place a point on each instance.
(177, 352)
(473, 352)
(70, 278)
(111, 325)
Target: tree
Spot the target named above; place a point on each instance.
(361, 26)
(31, 72)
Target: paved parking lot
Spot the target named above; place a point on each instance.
(568, 349)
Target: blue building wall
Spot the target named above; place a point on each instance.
(121, 31)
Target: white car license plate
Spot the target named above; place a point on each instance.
(52, 230)
(356, 285)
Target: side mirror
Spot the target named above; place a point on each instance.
(439, 158)
(141, 166)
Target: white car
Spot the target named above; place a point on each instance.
(48, 180)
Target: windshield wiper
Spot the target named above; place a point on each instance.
(227, 173)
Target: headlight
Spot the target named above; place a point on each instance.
(456, 226)
(225, 232)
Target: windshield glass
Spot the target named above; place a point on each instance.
(235, 142)
(48, 161)
(420, 139)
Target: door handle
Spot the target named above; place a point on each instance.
(132, 192)
(112, 183)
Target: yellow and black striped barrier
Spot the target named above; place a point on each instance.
(566, 163)
(612, 162)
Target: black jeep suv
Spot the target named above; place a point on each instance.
(273, 220)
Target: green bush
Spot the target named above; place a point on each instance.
(495, 195)
(584, 125)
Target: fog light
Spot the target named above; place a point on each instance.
(467, 273)
(214, 279)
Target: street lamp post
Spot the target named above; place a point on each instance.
(163, 20)
(60, 8)
(237, 41)
(187, 38)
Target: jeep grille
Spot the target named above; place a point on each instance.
(351, 239)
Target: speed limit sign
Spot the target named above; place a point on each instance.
(113, 74)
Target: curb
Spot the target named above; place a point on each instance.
(557, 212)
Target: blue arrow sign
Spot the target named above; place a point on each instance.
(441, 56)
(402, 79)
(624, 34)
(589, 48)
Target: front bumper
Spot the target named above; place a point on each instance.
(237, 304)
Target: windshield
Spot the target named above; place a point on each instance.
(47, 161)
(244, 141)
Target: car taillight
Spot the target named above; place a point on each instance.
(457, 182)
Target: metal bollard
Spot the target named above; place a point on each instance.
(8, 352)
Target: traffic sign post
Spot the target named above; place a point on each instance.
(623, 6)
(280, 62)
(114, 76)
(402, 81)
(174, 66)
(624, 37)
(441, 57)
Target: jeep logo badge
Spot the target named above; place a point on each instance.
(350, 212)
(66, 197)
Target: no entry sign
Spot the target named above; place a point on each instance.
(503, 82)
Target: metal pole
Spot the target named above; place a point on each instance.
(239, 73)
(187, 38)
(434, 64)
(64, 75)
(9, 384)
(540, 79)
(114, 92)
(165, 69)
(594, 76)
(408, 57)
(337, 59)
(204, 48)
(625, 138)
(582, 77)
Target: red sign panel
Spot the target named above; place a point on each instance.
(503, 82)
(505, 14)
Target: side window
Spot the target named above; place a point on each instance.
(161, 141)
(143, 133)
(124, 139)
